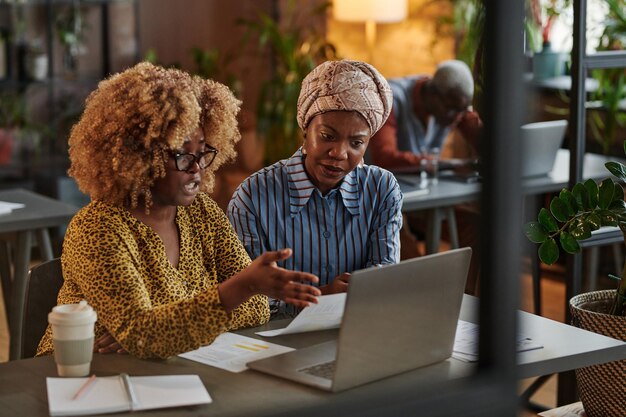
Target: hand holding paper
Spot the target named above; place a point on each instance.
(324, 315)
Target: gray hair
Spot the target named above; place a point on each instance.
(454, 75)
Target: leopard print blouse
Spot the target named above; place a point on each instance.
(119, 265)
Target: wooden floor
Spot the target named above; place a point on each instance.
(553, 307)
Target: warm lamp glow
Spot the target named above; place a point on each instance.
(378, 11)
(370, 12)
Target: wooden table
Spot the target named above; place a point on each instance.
(250, 393)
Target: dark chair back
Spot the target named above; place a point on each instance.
(43, 285)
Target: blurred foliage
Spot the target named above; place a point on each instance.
(294, 48)
(212, 64)
(540, 15)
(608, 117)
(13, 111)
(466, 26)
(208, 63)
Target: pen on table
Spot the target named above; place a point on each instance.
(84, 387)
(130, 391)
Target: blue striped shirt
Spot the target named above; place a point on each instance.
(354, 226)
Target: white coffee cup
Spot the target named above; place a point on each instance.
(73, 334)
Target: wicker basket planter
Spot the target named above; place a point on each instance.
(602, 387)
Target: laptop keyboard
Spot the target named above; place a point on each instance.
(322, 370)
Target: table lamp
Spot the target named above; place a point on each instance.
(370, 12)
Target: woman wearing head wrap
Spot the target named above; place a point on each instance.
(152, 253)
(336, 214)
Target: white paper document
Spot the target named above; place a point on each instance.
(231, 352)
(569, 410)
(110, 394)
(7, 207)
(324, 315)
(466, 342)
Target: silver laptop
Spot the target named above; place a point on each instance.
(540, 143)
(396, 318)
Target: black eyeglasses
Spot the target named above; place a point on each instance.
(184, 161)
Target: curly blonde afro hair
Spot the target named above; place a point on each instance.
(119, 146)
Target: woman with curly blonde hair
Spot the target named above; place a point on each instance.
(152, 253)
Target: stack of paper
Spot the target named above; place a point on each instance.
(466, 342)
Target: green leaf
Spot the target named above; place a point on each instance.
(569, 243)
(617, 205)
(547, 221)
(592, 188)
(605, 195)
(619, 192)
(593, 221)
(558, 209)
(570, 201)
(535, 232)
(582, 196)
(616, 168)
(549, 252)
(607, 218)
(580, 232)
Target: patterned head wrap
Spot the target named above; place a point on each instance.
(345, 85)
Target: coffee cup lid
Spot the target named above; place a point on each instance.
(72, 314)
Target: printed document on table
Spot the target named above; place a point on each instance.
(231, 352)
(324, 315)
(466, 342)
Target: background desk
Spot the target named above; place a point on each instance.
(39, 214)
(442, 196)
(23, 388)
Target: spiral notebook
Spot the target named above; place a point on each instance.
(113, 394)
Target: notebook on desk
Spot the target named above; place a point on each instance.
(540, 144)
(396, 318)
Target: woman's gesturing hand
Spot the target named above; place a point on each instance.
(339, 284)
(264, 276)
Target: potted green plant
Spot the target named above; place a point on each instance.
(572, 216)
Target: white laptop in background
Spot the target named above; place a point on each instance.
(396, 318)
(540, 144)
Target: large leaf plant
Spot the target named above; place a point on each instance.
(574, 214)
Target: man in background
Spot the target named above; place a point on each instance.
(426, 110)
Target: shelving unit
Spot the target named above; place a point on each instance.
(582, 63)
(56, 98)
